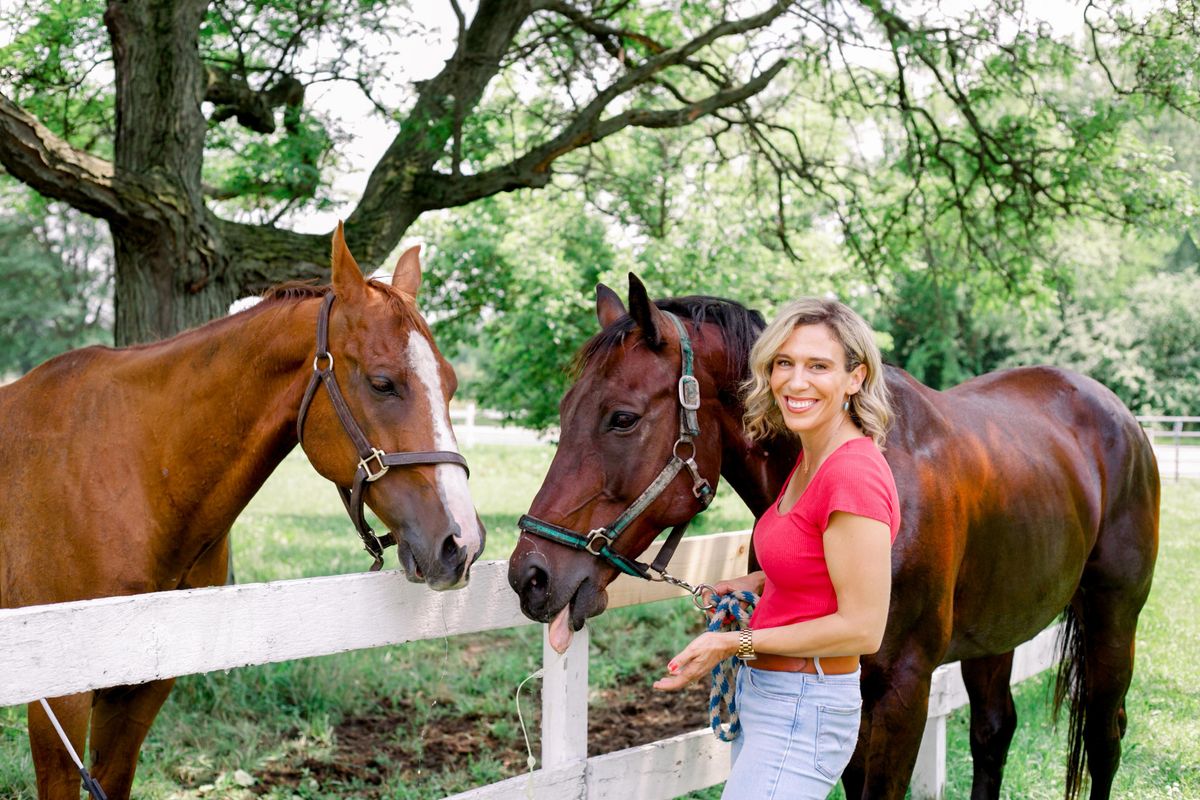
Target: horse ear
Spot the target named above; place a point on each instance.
(609, 307)
(347, 280)
(407, 277)
(645, 313)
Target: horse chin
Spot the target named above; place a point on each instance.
(408, 563)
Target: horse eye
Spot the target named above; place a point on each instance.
(622, 420)
(383, 385)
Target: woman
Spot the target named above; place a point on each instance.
(825, 551)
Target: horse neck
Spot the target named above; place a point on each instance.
(234, 388)
(756, 472)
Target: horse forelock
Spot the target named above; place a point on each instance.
(739, 327)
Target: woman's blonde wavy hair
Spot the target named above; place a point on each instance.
(870, 407)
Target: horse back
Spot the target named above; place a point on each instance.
(1010, 482)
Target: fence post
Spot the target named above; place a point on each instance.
(564, 701)
(1177, 429)
(929, 775)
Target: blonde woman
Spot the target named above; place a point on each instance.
(825, 551)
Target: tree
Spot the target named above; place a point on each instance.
(138, 156)
(57, 288)
(205, 144)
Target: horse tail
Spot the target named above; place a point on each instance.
(1072, 686)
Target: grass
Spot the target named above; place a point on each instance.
(219, 728)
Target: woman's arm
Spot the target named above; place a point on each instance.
(858, 555)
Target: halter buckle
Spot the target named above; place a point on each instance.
(598, 535)
(689, 392)
(377, 455)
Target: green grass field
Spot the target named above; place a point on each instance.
(439, 715)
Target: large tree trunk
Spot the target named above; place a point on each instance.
(168, 265)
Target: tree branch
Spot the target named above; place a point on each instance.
(33, 154)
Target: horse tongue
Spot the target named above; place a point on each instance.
(560, 630)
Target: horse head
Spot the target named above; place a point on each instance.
(624, 422)
(391, 383)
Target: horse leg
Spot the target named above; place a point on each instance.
(1108, 652)
(121, 718)
(895, 705)
(122, 715)
(993, 720)
(57, 775)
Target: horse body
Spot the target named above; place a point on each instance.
(1024, 493)
(126, 469)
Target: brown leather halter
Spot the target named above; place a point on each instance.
(368, 456)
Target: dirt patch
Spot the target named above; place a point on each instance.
(367, 753)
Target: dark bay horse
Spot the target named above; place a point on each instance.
(123, 470)
(1026, 494)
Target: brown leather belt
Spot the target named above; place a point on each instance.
(830, 665)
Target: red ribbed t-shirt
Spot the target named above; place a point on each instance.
(791, 548)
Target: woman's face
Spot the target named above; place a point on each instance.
(810, 382)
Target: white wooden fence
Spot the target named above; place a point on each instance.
(142, 637)
(1172, 438)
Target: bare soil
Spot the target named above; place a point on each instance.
(371, 752)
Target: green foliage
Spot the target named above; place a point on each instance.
(511, 281)
(57, 288)
(57, 67)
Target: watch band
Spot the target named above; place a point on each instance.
(745, 649)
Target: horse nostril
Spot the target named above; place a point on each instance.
(538, 579)
(452, 554)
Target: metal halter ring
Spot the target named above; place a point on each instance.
(675, 449)
(598, 535)
(317, 361)
(376, 455)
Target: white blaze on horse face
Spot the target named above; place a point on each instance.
(451, 478)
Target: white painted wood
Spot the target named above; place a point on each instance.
(562, 783)
(564, 702)
(660, 770)
(946, 690)
(142, 637)
(657, 771)
(699, 559)
(929, 775)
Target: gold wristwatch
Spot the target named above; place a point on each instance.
(745, 649)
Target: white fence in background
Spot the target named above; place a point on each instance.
(1176, 444)
(143, 637)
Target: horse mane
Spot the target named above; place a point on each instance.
(739, 326)
(303, 290)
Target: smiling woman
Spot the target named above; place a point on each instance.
(824, 548)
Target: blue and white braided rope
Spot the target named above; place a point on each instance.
(732, 612)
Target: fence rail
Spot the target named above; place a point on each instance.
(144, 637)
(1177, 459)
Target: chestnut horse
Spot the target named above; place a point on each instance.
(124, 469)
(1026, 494)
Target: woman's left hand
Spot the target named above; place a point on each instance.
(697, 659)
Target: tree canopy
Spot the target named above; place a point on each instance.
(926, 161)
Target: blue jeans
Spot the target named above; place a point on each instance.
(798, 733)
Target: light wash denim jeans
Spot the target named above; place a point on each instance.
(798, 733)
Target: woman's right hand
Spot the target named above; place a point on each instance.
(748, 583)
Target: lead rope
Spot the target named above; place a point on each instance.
(530, 762)
(732, 612)
(89, 783)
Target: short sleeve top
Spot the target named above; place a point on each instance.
(790, 546)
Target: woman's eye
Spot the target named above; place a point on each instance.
(622, 420)
(383, 385)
